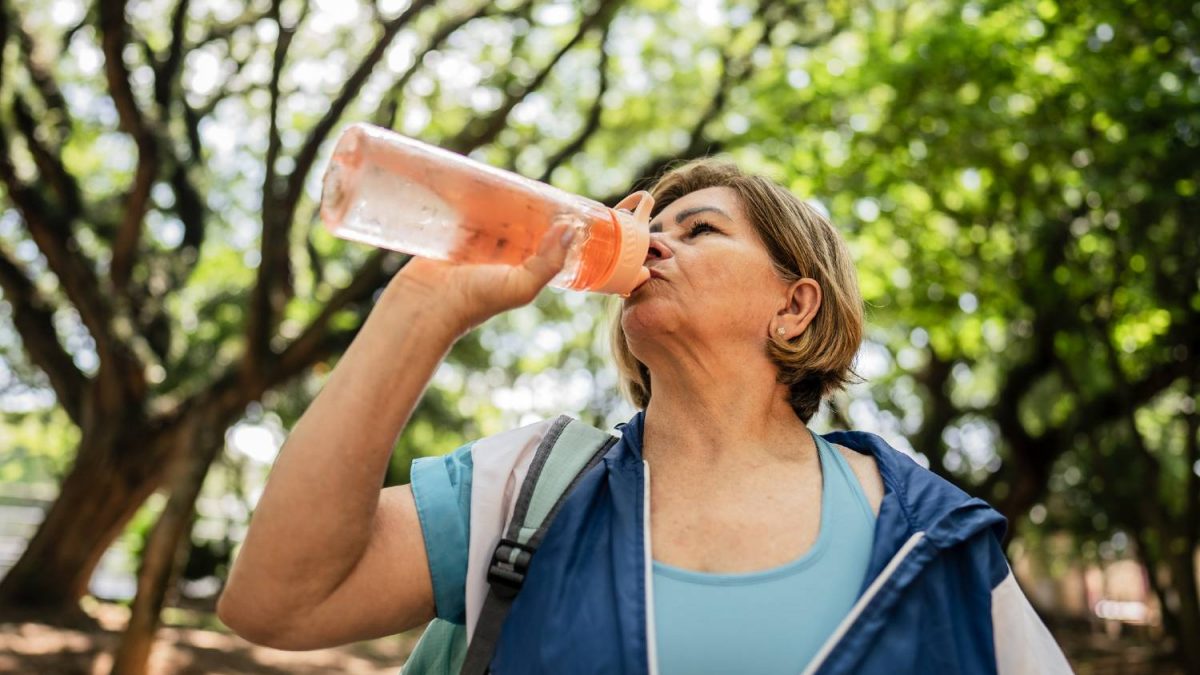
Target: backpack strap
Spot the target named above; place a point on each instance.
(567, 451)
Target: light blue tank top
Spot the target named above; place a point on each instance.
(774, 620)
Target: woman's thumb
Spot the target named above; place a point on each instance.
(552, 253)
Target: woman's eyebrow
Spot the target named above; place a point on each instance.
(683, 215)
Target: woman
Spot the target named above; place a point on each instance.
(758, 547)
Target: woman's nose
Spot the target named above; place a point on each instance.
(658, 248)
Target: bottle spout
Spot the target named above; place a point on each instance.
(632, 215)
(643, 276)
(637, 203)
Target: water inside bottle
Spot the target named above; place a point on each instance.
(382, 199)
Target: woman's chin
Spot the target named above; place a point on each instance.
(645, 321)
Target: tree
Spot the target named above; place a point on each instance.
(163, 172)
(1022, 177)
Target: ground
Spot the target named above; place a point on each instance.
(191, 644)
(194, 643)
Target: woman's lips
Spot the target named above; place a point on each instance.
(654, 274)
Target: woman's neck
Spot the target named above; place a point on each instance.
(714, 416)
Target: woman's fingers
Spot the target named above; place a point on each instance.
(551, 255)
(477, 292)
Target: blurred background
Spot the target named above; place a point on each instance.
(1017, 180)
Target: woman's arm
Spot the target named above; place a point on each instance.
(329, 557)
(323, 527)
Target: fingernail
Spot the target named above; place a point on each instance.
(567, 235)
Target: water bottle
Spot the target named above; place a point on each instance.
(387, 190)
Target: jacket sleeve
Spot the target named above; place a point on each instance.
(1024, 646)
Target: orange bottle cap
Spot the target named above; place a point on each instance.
(634, 231)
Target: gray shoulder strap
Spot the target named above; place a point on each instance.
(568, 450)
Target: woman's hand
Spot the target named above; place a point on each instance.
(475, 293)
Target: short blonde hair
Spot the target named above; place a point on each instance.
(802, 244)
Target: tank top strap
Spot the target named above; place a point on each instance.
(841, 480)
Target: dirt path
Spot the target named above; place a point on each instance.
(33, 648)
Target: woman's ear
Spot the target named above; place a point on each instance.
(803, 301)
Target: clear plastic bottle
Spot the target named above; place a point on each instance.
(385, 189)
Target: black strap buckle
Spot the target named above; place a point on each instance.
(506, 574)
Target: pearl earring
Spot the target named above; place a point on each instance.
(782, 330)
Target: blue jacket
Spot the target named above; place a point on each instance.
(939, 596)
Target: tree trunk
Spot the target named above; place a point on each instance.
(1187, 616)
(99, 495)
(1184, 565)
(167, 544)
(1150, 562)
(119, 463)
(1178, 600)
(1029, 481)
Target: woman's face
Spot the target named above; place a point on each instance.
(713, 287)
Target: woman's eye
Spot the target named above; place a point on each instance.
(701, 226)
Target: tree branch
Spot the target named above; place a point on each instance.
(145, 300)
(316, 342)
(34, 320)
(224, 31)
(43, 82)
(315, 263)
(193, 115)
(734, 71)
(270, 293)
(592, 124)
(386, 115)
(324, 347)
(1191, 486)
(308, 152)
(167, 70)
(1034, 456)
(148, 300)
(282, 45)
(114, 36)
(939, 412)
(156, 155)
(1031, 456)
(370, 277)
(120, 375)
(478, 133)
(5, 28)
(89, 16)
(274, 285)
(192, 212)
(49, 164)
(191, 126)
